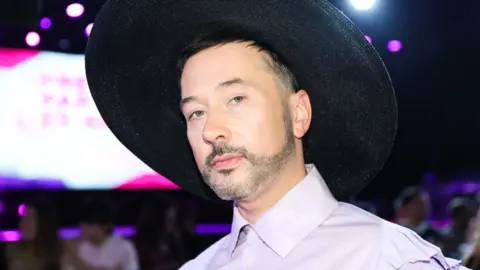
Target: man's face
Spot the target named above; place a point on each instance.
(239, 123)
(419, 207)
(91, 232)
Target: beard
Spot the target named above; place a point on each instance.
(260, 169)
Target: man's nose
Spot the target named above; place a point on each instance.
(216, 130)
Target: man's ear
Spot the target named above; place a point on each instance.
(301, 113)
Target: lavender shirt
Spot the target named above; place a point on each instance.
(309, 230)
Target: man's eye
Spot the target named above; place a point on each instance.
(196, 114)
(237, 99)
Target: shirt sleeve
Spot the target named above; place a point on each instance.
(403, 249)
(435, 264)
(130, 259)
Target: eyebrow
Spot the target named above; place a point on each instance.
(225, 84)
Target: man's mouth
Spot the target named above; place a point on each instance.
(227, 161)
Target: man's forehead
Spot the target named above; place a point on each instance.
(219, 66)
(227, 57)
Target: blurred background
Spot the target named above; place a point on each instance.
(55, 147)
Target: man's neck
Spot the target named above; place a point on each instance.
(252, 209)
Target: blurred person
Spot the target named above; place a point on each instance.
(412, 209)
(181, 221)
(40, 247)
(218, 96)
(471, 255)
(161, 240)
(460, 211)
(98, 248)
(3, 255)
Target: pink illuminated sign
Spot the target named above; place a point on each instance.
(53, 133)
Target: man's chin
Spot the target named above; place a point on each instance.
(225, 172)
(223, 181)
(224, 178)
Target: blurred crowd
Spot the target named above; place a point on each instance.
(163, 239)
(165, 236)
(460, 239)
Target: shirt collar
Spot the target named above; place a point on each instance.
(303, 209)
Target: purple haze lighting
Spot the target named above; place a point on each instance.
(2, 207)
(9, 236)
(32, 39)
(88, 29)
(213, 228)
(126, 231)
(22, 209)
(369, 39)
(394, 45)
(464, 187)
(75, 10)
(45, 23)
(429, 178)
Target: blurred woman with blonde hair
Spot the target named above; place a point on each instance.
(40, 247)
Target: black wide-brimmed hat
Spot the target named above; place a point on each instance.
(131, 65)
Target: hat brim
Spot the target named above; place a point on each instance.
(131, 60)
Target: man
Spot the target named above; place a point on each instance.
(251, 79)
(412, 207)
(460, 210)
(471, 252)
(98, 248)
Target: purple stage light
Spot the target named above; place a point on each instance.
(9, 236)
(45, 23)
(32, 39)
(75, 10)
(369, 39)
(64, 44)
(22, 208)
(88, 29)
(429, 178)
(394, 45)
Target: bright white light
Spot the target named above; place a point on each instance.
(362, 4)
(32, 39)
(75, 10)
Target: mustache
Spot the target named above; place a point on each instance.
(225, 149)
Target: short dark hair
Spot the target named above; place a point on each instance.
(457, 206)
(225, 35)
(98, 212)
(407, 195)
